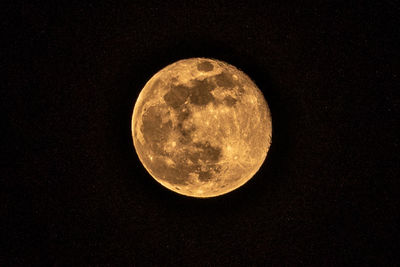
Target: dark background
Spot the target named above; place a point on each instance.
(74, 192)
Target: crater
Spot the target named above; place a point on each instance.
(229, 101)
(205, 66)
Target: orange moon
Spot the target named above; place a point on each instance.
(201, 127)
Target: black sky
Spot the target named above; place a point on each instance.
(74, 192)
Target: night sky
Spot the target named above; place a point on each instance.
(73, 191)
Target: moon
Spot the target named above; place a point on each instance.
(201, 127)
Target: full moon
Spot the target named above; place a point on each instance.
(201, 127)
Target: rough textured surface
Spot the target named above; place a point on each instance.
(201, 127)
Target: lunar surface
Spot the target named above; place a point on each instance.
(201, 127)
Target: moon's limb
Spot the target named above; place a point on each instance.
(201, 127)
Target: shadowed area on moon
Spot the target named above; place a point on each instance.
(155, 132)
(205, 66)
(188, 151)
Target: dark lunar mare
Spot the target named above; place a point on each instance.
(199, 93)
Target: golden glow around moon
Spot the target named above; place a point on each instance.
(201, 127)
